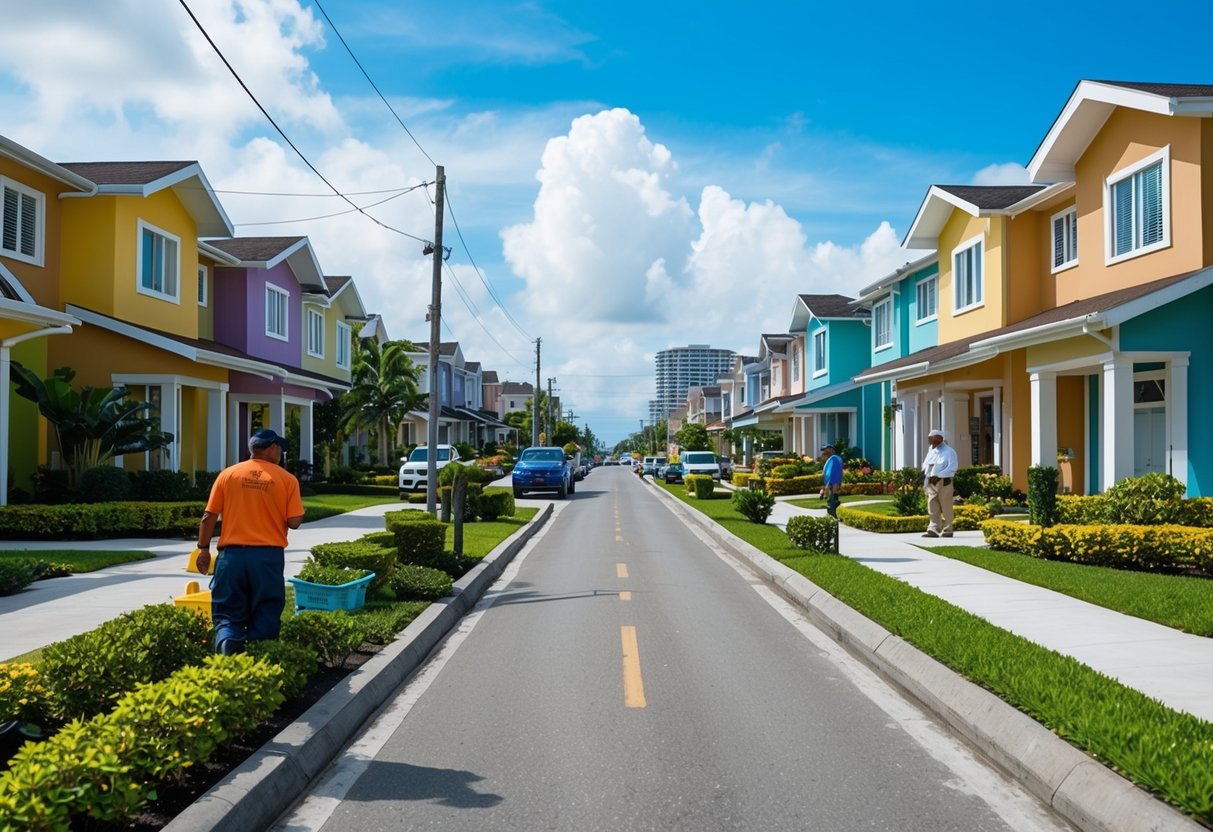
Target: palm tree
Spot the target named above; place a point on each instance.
(385, 389)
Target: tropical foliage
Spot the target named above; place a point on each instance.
(385, 388)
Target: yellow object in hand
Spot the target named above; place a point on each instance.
(193, 564)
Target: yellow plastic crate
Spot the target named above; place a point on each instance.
(194, 599)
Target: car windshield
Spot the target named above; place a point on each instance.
(699, 458)
(542, 455)
(422, 455)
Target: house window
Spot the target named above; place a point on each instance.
(202, 289)
(882, 324)
(343, 345)
(819, 352)
(276, 304)
(967, 277)
(1065, 239)
(21, 222)
(1137, 205)
(927, 293)
(159, 263)
(315, 333)
(795, 363)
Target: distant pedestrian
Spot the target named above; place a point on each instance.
(939, 467)
(258, 501)
(831, 478)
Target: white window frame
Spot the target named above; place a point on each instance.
(795, 362)
(174, 296)
(919, 288)
(284, 297)
(37, 258)
(821, 363)
(979, 294)
(1070, 231)
(1162, 156)
(203, 288)
(312, 314)
(887, 306)
(344, 344)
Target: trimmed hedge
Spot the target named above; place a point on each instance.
(1098, 508)
(23, 693)
(497, 502)
(1144, 548)
(741, 479)
(700, 486)
(420, 540)
(358, 554)
(420, 583)
(83, 521)
(817, 534)
(965, 518)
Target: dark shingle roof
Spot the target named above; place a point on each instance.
(1169, 90)
(125, 173)
(832, 306)
(336, 283)
(255, 249)
(471, 366)
(992, 197)
(489, 377)
(516, 387)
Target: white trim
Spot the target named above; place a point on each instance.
(203, 285)
(888, 343)
(272, 289)
(15, 283)
(308, 314)
(979, 260)
(38, 258)
(175, 297)
(1162, 156)
(934, 316)
(345, 338)
(1065, 265)
(143, 379)
(825, 352)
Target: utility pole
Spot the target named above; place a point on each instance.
(551, 424)
(431, 428)
(535, 400)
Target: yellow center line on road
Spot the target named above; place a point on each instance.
(618, 538)
(621, 570)
(633, 686)
(625, 596)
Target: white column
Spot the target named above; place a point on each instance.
(1044, 418)
(306, 447)
(216, 430)
(170, 395)
(277, 423)
(955, 427)
(1177, 412)
(6, 358)
(998, 427)
(233, 430)
(1116, 460)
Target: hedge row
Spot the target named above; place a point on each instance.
(700, 486)
(65, 522)
(104, 770)
(1097, 509)
(817, 534)
(965, 518)
(1145, 548)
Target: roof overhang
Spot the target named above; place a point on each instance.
(934, 212)
(190, 185)
(351, 302)
(302, 261)
(45, 166)
(882, 286)
(1084, 115)
(35, 315)
(217, 254)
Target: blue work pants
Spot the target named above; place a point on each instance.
(247, 595)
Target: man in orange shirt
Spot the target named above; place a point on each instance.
(258, 500)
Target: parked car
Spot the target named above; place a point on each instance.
(701, 462)
(544, 469)
(726, 466)
(414, 471)
(674, 472)
(653, 463)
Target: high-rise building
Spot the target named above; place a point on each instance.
(681, 368)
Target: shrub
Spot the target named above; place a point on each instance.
(65, 522)
(85, 673)
(806, 484)
(909, 501)
(203, 480)
(869, 522)
(344, 474)
(755, 506)
(23, 695)
(1010, 536)
(741, 479)
(298, 663)
(16, 575)
(1146, 548)
(994, 486)
(863, 488)
(965, 483)
(1078, 510)
(1197, 511)
(383, 621)
(699, 486)
(817, 534)
(104, 483)
(969, 518)
(332, 636)
(497, 502)
(1042, 495)
(356, 554)
(160, 486)
(419, 541)
(318, 573)
(51, 486)
(418, 498)
(1146, 500)
(785, 472)
(420, 583)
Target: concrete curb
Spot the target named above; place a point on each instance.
(1079, 788)
(257, 792)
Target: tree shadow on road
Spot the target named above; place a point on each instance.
(404, 782)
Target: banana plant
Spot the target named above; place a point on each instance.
(92, 424)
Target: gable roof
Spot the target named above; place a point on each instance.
(875, 290)
(1090, 105)
(27, 157)
(268, 252)
(186, 180)
(976, 200)
(822, 307)
(489, 377)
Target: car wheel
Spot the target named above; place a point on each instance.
(517, 493)
(573, 486)
(563, 493)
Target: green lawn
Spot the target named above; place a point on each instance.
(814, 502)
(482, 537)
(1166, 752)
(1182, 602)
(319, 506)
(78, 560)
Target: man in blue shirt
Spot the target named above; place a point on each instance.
(831, 476)
(938, 469)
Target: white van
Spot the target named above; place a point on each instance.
(700, 462)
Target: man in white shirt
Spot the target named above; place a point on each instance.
(939, 467)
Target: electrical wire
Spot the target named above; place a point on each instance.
(451, 210)
(325, 216)
(282, 133)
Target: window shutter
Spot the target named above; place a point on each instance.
(29, 225)
(1122, 216)
(1151, 204)
(1059, 240)
(9, 223)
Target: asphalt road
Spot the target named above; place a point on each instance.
(624, 676)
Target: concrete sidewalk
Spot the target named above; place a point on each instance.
(1173, 667)
(50, 611)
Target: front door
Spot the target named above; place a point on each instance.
(985, 431)
(1149, 441)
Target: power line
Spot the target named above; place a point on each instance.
(281, 132)
(328, 216)
(459, 232)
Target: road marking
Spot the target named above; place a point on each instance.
(618, 538)
(621, 570)
(625, 596)
(633, 687)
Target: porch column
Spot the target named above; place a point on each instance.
(1177, 412)
(1116, 461)
(954, 409)
(1044, 418)
(233, 430)
(216, 430)
(306, 447)
(277, 406)
(998, 427)
(170, 401)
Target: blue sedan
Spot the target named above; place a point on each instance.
(544, 469)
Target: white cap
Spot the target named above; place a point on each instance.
(936, 432)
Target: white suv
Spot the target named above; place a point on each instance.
(700, 462)
(415, 470)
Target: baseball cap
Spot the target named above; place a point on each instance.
(936, 432)
(266, 437)
(827, 445)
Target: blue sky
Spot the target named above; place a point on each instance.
(627, 176)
